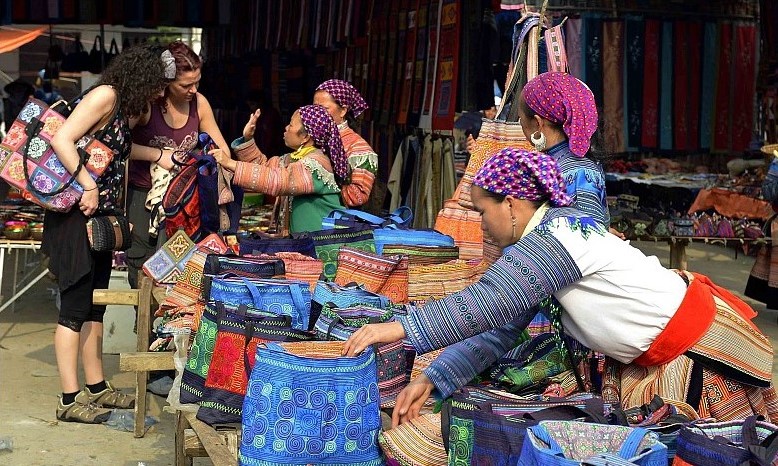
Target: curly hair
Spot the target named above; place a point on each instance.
(138, 75)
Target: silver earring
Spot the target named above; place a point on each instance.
(513, 222)
(538, 140)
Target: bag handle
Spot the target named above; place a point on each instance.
(565, 413)
(542, 434)
(256, 296)
(765, 453)
(630, 446)
(297, 299)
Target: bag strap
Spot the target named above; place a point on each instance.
(297, 298)
(631, 444)
(347, 214)
(542, 434)
(256, 296)
(765, 453)
(566, 413)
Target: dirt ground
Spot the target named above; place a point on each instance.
(29, 384)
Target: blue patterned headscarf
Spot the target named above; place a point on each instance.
(319, 125)
(523, 174)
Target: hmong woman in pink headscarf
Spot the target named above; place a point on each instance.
(310, 176)
(345, 105)
(670, 333)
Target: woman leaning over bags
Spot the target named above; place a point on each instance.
(310, 177)
(674, 334)
(345, 104)
(122, 94)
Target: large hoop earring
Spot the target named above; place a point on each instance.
(538, 140)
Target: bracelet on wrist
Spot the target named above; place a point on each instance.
(90, 189)
(160, 156)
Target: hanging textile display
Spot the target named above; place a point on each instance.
(613, 100)
(709, 50)
(408, 71)
(433, 27)
(420, 68)
(666, 87)
(650, 130)
(744, 85)
(681, 77)
(448, 72)
(592, 56)
(573, 35)
(634, 37)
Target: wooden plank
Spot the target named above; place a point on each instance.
(192, 445)
(181, 426)
(146, 361)
(214, 443)
(126, 297)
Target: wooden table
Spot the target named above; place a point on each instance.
(678, 259)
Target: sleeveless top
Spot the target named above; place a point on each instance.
(64, 233)
(157, 133)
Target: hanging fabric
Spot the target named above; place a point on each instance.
(575, 55)
(709, 59)
(425, 121)
(613, 74)
(634, 36)
(448, 71)
(666, 89)
(650, 125)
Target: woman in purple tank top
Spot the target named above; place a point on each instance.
(172, 123)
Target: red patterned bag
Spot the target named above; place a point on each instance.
(385, 275)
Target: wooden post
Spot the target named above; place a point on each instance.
(678, 253)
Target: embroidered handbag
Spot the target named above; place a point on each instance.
(436, 281)
(299, 267)
(108, 233)
(385, 275)
(279, 297)
(464, 226)
(263, 244)
(329, 293)
(339, 323)
(569, 443)
(28, 162)
(402, 217)
(415, 443)
(167, 264)
(233, 359)
(250, 267)
(389, 235)
(307, 404)
(329, 242)
(739, 442)
(423, 255)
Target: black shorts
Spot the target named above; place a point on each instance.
(76, 301)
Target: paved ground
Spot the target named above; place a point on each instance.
(29, 384)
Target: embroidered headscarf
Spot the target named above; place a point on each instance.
(523, 174)
(564, 100)
(345, 95)
(324, 132)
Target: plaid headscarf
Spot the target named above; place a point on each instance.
(345, 95)
(324, 132)
(523, 174)
(564, 100)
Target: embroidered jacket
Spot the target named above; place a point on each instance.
(308, 182)
(615, 300)
(364, 167)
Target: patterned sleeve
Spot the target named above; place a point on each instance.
(271, 177)
(247, 151)
(587, 188)
(460, 363)
(530, 270)
(364, 167)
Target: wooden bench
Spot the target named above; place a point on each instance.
(142, 361)
(194, 438)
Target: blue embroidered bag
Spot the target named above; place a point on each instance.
(390, 235)
(571, 443)
(222, 264)
(343, 296)
(402, 217)
(279, 297)
(307, 404)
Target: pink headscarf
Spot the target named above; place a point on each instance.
(564, 100)
(524, 175)
(345, 95)
(324, 132)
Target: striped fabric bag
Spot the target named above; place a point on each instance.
(299, 267)
(417, 442)
(329, 242)
(328, 293)
(423, 255)
(748, 441)
(340, 323)
(464, 225)
(382, 274)
(436, 281)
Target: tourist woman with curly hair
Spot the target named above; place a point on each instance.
(107, 111)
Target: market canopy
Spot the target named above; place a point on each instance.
(11, 39)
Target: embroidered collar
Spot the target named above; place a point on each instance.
(536, 218)
(301, 152)
(343, 125)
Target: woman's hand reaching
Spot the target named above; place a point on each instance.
(371, 334)
(224, 159)
(411, 399)
(251, 125)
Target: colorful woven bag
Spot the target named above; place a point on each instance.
(28, 162)
(299, 267)
(249, 267)
(307, 404)
(233, 358)
(278, 297)
(167, 264)
(415, 443)
(334, 295)
(339, 324)
(329, 242)
(571, 443)
(264, 244)
(384, 236)
(750, 441)
(423, 255)
(385, 275)
(436, 281)
(464, 225)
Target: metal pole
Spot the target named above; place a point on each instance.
(23, 290)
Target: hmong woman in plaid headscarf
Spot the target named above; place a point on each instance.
(345, 104)
(670, 333)
(309, 177)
